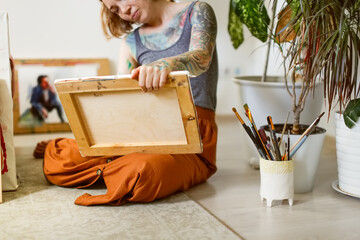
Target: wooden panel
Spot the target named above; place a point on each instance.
(144, 123)
(110, 115)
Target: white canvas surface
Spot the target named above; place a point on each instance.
(4, 49)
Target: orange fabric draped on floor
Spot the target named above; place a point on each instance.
(135, 177)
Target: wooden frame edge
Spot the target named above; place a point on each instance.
(188, 113)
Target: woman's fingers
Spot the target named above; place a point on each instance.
(156, 79)
(135, 73)
(163, 78)
(142, 78)
(150, 77)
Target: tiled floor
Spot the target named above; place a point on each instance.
(232, 195)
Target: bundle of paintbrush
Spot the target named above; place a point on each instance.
(269, 146)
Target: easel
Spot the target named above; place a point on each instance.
(111, 115)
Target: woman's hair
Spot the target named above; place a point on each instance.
(113, 25)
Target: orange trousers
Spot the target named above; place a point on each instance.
(135, 177)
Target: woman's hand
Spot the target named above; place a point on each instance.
(152, 76)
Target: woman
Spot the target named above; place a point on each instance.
(172, 36)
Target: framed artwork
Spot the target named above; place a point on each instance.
(37, 108)
(113, 116)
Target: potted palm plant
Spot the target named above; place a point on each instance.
(254, 16)
(318, 40)
(270, 96)
(330, 37)
(328, 47)
(325, 44)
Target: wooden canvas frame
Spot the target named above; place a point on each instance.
(102, 68)
(79, 97)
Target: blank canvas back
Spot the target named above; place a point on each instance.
(111, 115)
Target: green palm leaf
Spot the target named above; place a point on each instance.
(352, 113)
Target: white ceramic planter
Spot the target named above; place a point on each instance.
(306, 159)
(276, 181)
(271, 98)
(348, 155)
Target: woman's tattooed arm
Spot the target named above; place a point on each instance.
(202, 44)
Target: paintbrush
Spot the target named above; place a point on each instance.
(285, 152)
(248, 131)
(298, 146)
(273, 138)
(286, 157)
(307, 131)
(284, 128)
(288, 146)
(267, 143)
(253, 125)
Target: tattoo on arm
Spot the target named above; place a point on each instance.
(162, 63)
(129, 65)
(204, 28)
(202, 44)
